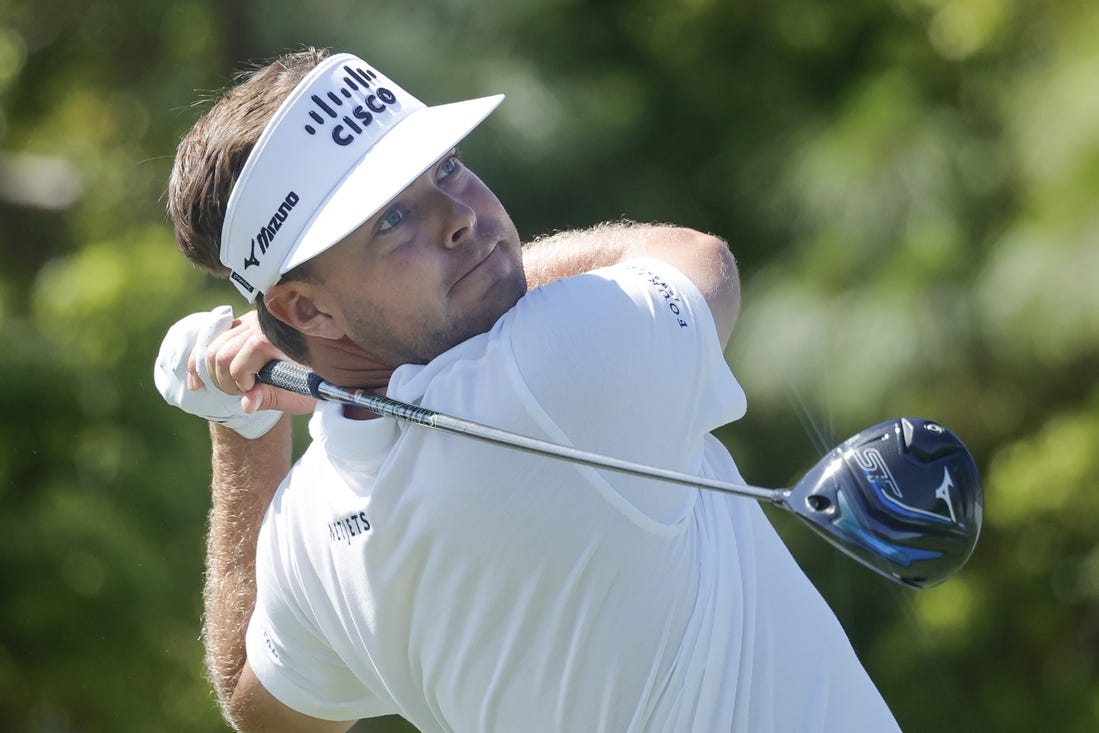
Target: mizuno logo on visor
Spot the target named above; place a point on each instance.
(268, 231)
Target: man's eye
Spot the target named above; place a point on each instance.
(449, 166)
(390, 220)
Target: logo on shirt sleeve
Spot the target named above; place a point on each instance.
(665, 292)
(270, 644)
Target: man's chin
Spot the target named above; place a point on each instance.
(492, 307)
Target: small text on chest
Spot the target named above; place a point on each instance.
(345, 529)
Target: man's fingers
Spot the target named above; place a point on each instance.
(234, 356)
(266, 397)
(251, 355)
(219, 358)
(209, 338)
(194, 382)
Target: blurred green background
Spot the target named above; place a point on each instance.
(911, 188)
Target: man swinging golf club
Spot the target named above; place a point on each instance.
(464, 586)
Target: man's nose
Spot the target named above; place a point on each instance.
(460, 222)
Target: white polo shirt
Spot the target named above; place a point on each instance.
(470, 587)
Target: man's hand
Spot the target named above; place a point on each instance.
(207, 367)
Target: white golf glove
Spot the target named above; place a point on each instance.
(194, 333)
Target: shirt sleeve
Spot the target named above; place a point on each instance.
(286, 651)
(626, 361)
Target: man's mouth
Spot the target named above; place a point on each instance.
(478, 263)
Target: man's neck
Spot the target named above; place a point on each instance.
(345, 364)
(364, 374)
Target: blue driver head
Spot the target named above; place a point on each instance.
(902, 498)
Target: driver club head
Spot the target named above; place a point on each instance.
(902, 497)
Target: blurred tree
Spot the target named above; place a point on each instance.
(908, 185)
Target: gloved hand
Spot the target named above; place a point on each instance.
(194, 334)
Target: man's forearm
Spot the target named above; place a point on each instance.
(572, 252)
(246, 474)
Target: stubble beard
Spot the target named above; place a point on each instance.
(397, 343)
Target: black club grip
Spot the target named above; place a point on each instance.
(291, 377)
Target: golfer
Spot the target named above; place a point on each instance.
(464, 586)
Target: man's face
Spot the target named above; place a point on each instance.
(438, 264)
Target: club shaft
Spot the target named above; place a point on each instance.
(295, 378)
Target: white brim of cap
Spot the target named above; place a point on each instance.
(394, 162)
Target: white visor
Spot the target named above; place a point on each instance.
(343, 144)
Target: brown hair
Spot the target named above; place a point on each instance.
(209, 160)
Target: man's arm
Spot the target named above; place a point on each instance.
(703, 258)
(246, 474)
(249, 461)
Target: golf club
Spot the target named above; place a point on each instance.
(902, 497)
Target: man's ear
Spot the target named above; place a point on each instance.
(294, 303)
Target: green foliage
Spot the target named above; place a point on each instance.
(909, 187)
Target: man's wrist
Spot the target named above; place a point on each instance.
(251, 465)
